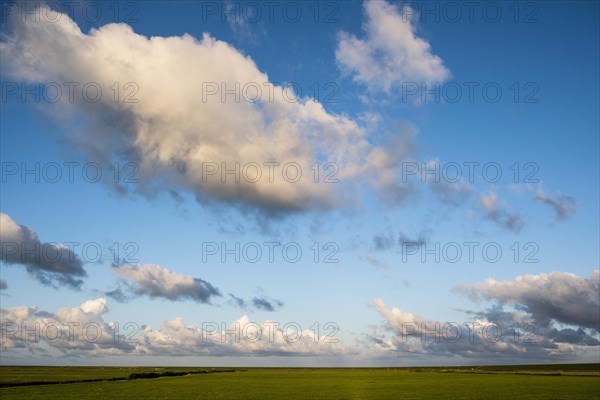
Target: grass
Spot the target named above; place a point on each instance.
(496, 382)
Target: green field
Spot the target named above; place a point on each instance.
(578, 381)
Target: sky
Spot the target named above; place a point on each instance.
(299, 183)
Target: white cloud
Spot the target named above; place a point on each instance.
(243, 337)
(450, 192)
(375, 261)
(391, 53)
(156, 281)
(488, 336)
(496, 212)
(84, 332)
(50, 263)
(489, 202)
(78, 330)
(564, 206)
(561, 296)
(173, 131)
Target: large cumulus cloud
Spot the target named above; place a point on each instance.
(84, 331)
(532, 318)
(177, 133)
(559, 296)
(79, 330)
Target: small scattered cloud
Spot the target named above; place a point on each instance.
(245, 21)
(53, 264)
(499, 215)
(237, 301)
(265, 304)
(259, 302)
(391, 53)
(119, 295)
(388, 240)
(451, 194)
(384, 241)
(421, 240)
(158, 282)
(564, 206)
(375, 261)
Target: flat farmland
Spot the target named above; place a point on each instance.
(579, 381)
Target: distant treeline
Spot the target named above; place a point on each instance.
(132, 376)
(151, 375)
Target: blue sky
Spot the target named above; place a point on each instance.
(367, 90)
